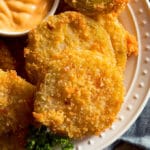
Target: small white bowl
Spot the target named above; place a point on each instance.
(21, 33)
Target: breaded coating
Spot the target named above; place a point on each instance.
(78, 63)
(72, 30)
(69, 30)
(16, 102)
(124, 44)
(95, 7)
(7, 62)
(132, 45)
(81, 94)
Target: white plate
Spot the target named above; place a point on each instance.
(136, 19)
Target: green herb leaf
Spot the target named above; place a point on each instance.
(42, 139)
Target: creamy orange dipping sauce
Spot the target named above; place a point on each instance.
(21, 15)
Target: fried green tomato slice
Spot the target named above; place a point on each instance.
(72, 30)
(69, 30)
(7, 62)
(81, 94)
(124, 43)
(16, 102)
(94, 7)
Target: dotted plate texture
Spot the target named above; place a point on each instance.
(136, 19)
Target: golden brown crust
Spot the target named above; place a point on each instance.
(80, 95)
(16, 102)
(124, 43)
(69, 30)
(69, 56)
(95, 7)
(132, 45)
(72, 30)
